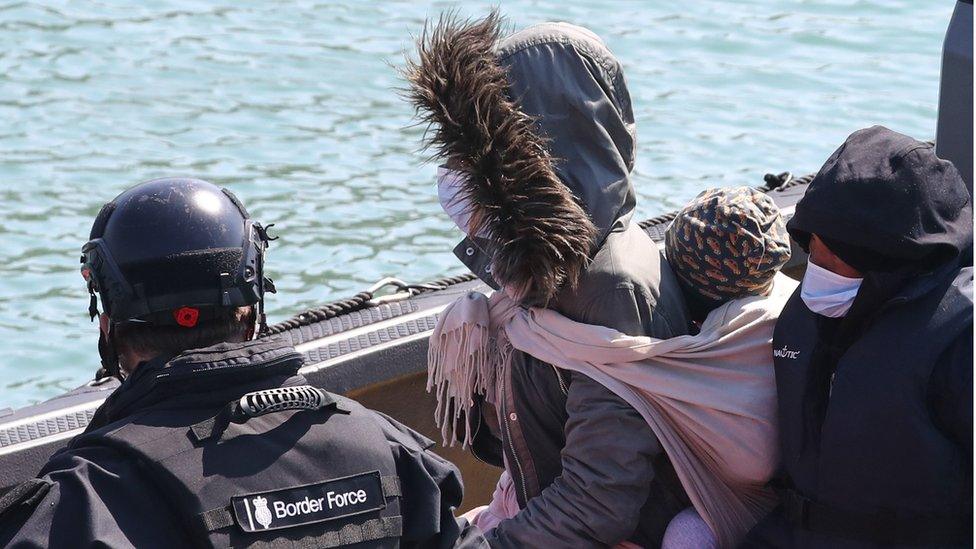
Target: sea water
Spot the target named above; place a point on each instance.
(294, 107)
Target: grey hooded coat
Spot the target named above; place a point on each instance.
(588, 470)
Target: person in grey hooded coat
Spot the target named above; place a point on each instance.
(540, 131)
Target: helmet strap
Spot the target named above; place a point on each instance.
(106, 347)
(265, 284)
(92, 305)
(262, 318)
(110, 358)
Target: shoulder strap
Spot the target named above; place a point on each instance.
(24, 496)
(350, 534)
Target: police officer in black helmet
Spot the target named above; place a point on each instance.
(213, 437)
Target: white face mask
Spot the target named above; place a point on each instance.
(827, 293)
(455, 204)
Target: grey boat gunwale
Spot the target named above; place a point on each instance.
(381, 341)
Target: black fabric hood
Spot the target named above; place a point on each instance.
(885, 199)
(541, 122)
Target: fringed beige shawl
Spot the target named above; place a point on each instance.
(710, 398)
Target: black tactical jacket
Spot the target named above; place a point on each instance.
(160, 466)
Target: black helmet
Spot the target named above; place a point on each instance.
(174, 251)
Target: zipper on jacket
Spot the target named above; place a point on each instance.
(562, 384)
(477, 430)
(507, 435)
(474, 437)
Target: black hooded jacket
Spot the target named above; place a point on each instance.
(876, 407)
(138, 478)
(587, 469)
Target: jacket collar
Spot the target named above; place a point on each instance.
(920, 285)
(883, 290)
(201, 377)
(475, 254)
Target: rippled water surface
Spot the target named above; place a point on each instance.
(292, 105)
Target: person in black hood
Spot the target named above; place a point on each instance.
(874, 355)
(214, 438)
(538, 134)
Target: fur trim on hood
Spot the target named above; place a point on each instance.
(540, 235)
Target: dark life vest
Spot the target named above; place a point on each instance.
(879, 457)
(322, 478)
(245, 454)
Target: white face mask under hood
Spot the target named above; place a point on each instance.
(450, 184)
(827, 293)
